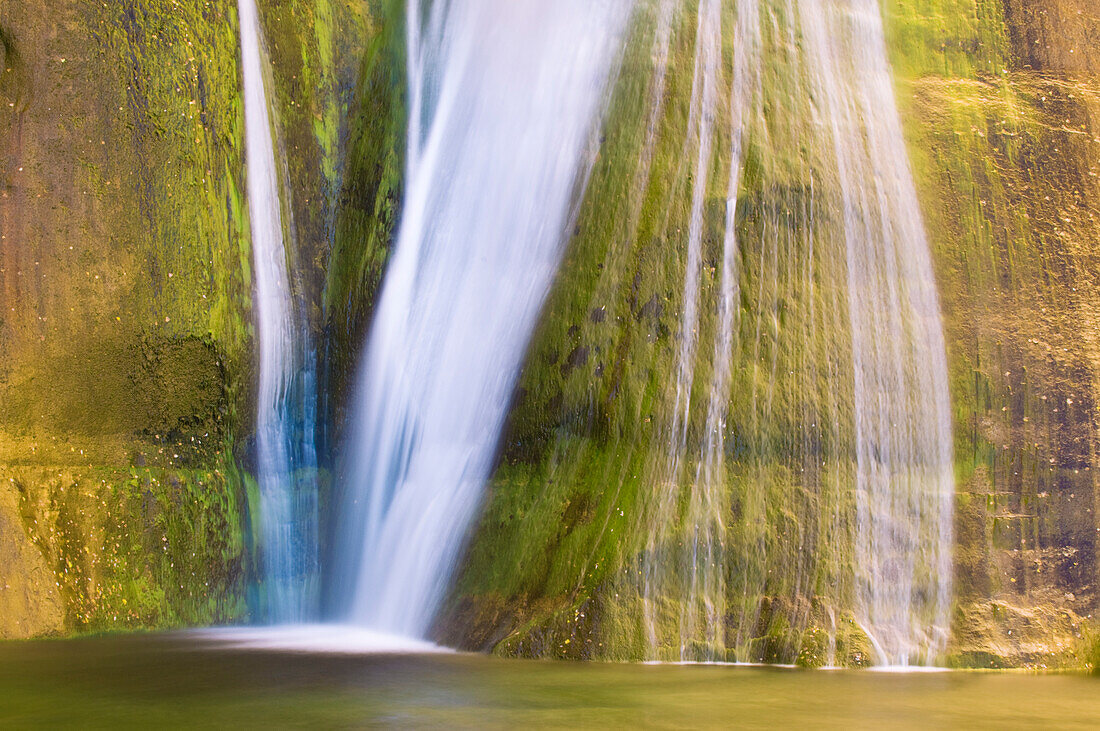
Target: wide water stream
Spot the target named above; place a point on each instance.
(174, 680)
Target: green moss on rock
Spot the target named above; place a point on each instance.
(1003, 141)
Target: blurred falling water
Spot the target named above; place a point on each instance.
(902, 410)
(662, 569)
(708, 503)
(504, 100)
(842, 271)
(702, 591)
(286, 457)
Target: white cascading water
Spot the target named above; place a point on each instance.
(702, 590)
(905, 482)
(901, 432)
(286, 458)
(662, 569)
(504, 100)
(708, 504)
(704, 99)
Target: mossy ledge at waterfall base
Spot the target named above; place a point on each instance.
(128, 351)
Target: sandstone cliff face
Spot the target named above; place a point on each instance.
(1055, 37)
(126, 336)
(1000, 116)
(1009, 154)
(124, 340)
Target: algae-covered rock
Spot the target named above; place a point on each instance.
(815, 649)
(125, 282)
(126, 364)
(1006, 166)
(1000, 114)
(1091, 652)
(30, 601)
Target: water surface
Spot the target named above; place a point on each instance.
(181, 680)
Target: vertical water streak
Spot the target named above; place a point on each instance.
(692, 576)
(709, 503)
(505, 100)
(662, 37)
(871, 335)
(286, 460)
(701, 120)
(661, 568)
(901, 404)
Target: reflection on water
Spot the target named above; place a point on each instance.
(313, 638)
(186, 680)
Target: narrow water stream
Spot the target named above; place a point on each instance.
(285, 400)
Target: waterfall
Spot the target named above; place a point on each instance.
(856, 285)
(905, 483)
(662, 573)
(504, 101)
(707, 503)
(702, 591)
(285, 454)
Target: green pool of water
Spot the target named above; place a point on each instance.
(179, 680)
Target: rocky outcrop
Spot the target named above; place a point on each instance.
(1011, 189)
(999, 105)
(125, 284)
